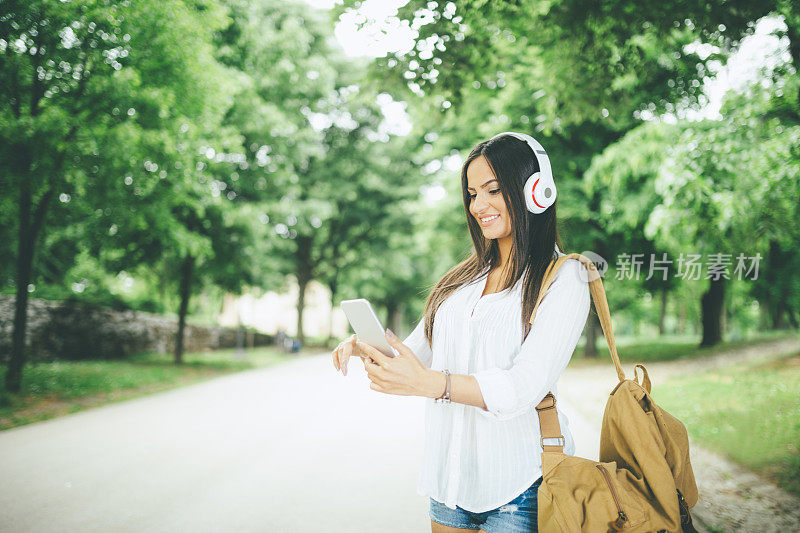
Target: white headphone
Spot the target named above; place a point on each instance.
(540, 189)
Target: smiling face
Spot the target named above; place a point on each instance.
(486, 200)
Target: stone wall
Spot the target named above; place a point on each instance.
(73, 330)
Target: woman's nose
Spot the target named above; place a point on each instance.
(480, 204)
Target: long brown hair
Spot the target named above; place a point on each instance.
(535, 236)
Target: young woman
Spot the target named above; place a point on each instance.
(482, 458)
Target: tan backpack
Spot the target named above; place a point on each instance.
(644, 480)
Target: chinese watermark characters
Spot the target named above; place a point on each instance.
(688, 266)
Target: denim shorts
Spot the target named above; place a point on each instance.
(517, 516)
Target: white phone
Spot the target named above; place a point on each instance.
(367, 325)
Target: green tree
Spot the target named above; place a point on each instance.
(578, 74)
(724, 186)
(366, 245)
(81, 74)
(623, 179)
(314, 159)
(583, 57)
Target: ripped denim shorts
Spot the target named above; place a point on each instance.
(517, 516)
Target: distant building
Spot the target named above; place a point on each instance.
(273, 311)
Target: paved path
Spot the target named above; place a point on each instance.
(291, 448)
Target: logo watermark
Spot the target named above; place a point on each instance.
(599, 263)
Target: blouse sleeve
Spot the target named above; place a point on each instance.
(546, 351)
(419, 344)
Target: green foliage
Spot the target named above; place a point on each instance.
(111, 108)
(749, 413)
(582, 57)
(728, 185)
(234, 133)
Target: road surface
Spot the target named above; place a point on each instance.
(289, 448)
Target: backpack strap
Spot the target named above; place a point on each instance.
(598, 296)
(548, 424)
(548, 415)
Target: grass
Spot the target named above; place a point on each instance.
(671, 348)
(748, 412)
(51, 389)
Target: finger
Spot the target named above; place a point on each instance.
(348, 349)
(365, 350)
(374, 353)
(395, 342)
(374, 370)
(375, 386)
(341, 357)
(335, 356)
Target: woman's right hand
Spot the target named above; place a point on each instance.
(343, 352)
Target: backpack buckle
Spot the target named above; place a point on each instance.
(552, 405)
(560, 441)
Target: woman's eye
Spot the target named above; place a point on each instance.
(472, 196)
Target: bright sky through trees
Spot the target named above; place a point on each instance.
(756, 52)
(388, 34)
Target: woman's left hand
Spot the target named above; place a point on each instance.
(403, 374)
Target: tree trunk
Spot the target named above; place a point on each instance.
(304, 273)
(711, 305)
(25, 249)
(332, 286)
(777, 315)
(723, 320)
(239, 338)
(394, 318)
(776, 304)
(396, 324)
(30, 224)
(592, 331)
(682, 319)
(793, 319)
(330, 320)
(763, 315)
(793, 32)
(185, 292)
(391, 316)
(302, 283)
(662, 315)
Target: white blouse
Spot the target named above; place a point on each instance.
(480, 460)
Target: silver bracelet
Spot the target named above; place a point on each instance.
(445, 398)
